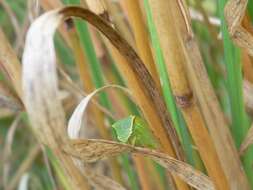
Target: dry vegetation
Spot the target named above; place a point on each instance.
(181, 70)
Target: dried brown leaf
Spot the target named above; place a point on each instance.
(102, 148)
(183, 170)
(10, 64)
(91, 150)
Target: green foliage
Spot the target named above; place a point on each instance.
(240, 123)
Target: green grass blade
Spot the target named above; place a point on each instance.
(240, 123)
(63, 51)
(58, 170)
(95, 67)
(250, 9)
(132, 176)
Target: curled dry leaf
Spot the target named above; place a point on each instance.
(40, 85)
(91, 150)
(81, 149)
(75, 121)
(186, 172)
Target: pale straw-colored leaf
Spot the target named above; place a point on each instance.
(91, 152)
(98, 6)
(75, 121)
(41, 93)
(183, 170)
(40, 85)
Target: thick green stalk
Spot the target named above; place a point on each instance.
(240, 123)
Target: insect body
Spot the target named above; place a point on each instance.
(134, 130)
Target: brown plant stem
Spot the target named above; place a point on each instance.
(147, 109)
(9, 64)
(207, 99)
(141, 37)
(118, 18)
(174, 59)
